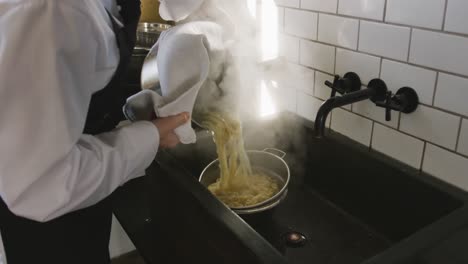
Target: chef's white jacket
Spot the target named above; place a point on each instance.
(53, 56)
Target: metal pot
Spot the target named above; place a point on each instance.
(148, 34)
(135, 66)
(266, 161)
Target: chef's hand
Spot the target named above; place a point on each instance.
(166, 127)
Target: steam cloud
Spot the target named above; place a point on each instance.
(233, 72)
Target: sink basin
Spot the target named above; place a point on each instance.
(351, 204)
(390, 200)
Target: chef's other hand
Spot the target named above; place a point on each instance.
(166, 127)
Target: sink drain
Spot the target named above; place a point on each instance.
(294, 239)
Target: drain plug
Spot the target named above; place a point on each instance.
(294, 239)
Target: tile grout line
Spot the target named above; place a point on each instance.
(299, 52)
(437, 71)
(371, 135)
(314, 84)
(445, 15)
(423, 156)
(380, 68)
(457, 144)
(385, 11)
(423, 104)
(435, 88)
(318, 27)
(443, 110)
(409, 45)
(359, 35)
(336, 58)
(410, 135)
(400, 115)
(337, 6)
(380, 56)
(404, 133)
(383, 22)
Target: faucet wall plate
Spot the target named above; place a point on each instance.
(380, 89)
(411, 97)
(353, 81)
(348, 84)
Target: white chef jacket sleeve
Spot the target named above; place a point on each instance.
(53, 58)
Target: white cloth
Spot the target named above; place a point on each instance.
(177, 10)
(189, 58)
(53, 56)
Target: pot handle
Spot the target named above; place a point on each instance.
(276, 152)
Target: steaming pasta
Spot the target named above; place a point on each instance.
(238, 185)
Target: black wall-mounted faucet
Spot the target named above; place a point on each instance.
(405, 100)
(376, 91)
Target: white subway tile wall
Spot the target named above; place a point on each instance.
(329, 6)
(338, 31)
(409, 150)
(317, 56)
(368, 109)
(421, 13)
(293, 77)
(397, 75)
(288, 3)
(440, 51)
(366, 66)
(456, 19)
(289, 47)
(446, 165)
(463, 143)
(281, 12)
(356, 127)
(422, 44)
(384, 40)
(372, 9)
(301, 23)
(452, 93)
(432, 125)
(307, 105)
(321, 90)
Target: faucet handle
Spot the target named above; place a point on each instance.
(405, 100)
(387, 104)
(349, 83)
(333, 85)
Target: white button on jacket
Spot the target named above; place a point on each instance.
(53, 56)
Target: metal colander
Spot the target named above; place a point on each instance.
(266, 161)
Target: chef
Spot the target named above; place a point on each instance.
(60, 101)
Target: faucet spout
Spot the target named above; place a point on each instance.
(372, 92)
(322, 115)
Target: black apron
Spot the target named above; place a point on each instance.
(80, 237)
